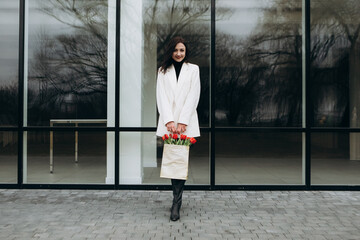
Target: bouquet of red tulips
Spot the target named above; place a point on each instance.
(176, 140)
(175, 160)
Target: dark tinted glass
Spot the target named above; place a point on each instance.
(259, 158)
(335, 159)
(67, 62)
(64, 157)
(9, 45)
(258, 63)
(8, 157)
(335, 63)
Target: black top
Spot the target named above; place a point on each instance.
(177, 66)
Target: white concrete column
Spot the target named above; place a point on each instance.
(354, 92)
(148, 149)
(131, 62)
(130, 158)
(149, 111)
(110, 143)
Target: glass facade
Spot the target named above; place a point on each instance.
(9, 49)
(331, 163)
(258, 158)
(335, 60)
(8, 156)
(67, 44)
(279, 92)
(258, 63)
(75, 157)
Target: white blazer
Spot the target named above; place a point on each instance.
(177, 100)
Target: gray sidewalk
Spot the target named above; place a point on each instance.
(106, 214)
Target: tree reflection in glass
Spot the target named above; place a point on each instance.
(259, 64)
(335, 61)
(68, 60)
(9, 41)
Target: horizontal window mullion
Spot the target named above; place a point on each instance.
(259, 129)
(6, 129)
(68, 129)
(335, 129)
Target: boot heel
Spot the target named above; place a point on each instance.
(175, 212)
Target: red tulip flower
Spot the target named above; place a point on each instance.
(180, 139)
(192, 140)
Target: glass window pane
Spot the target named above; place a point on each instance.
(141, 155)
(335, 159)
(146, 28)
(335, 61)
(8, 156)
(9, 51)
(258, 63)
(65, 157)
(258, 158)
(67, 63)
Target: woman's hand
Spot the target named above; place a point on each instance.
(181, 128)
(171, 127)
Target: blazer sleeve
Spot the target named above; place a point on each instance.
(162, 101)
(192, 99)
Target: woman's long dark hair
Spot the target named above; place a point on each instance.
(168, 60)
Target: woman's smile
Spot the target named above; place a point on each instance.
(179, 52)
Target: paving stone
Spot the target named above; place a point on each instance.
(109, 214)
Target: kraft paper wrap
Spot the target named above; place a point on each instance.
(175, 162)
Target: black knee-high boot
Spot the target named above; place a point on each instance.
(178, 187)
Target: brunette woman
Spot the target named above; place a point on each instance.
(177, 97)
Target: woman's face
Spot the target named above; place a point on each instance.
(179, 52)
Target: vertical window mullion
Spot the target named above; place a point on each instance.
(309, 114)
(212, 97)
(21, 90)
(117, 96)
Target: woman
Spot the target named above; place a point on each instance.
(177, 96)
